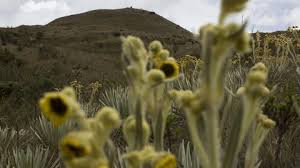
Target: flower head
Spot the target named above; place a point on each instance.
(170, 69)
(76, 145)
(57, 107)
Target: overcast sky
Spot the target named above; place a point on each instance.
(263, 15)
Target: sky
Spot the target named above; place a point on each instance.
(262, 15)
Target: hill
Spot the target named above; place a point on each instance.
(85, 46)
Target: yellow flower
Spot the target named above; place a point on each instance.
(76, 145)
(57, 107)
(166, 161)
(87, 162)
(170, 69)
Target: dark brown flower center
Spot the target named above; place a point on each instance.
(168, 69)
(58, 106)
(77, 151)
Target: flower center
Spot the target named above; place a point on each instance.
(168, 69)
(77, 151)
(58, 106)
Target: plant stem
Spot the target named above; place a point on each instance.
(191, 120)
(159, 132)
(139, 125)
(213, 135)
(250, 154)
(238, 134)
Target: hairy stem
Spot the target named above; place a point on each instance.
(191, 120)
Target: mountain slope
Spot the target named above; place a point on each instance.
(85, 47)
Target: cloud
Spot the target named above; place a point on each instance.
(32, 6)
(33, 12)
(271, 15)
(293, 17)
(267, 15)
(191, 14)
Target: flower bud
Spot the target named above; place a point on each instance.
(268, 123)
(129, 130)
(257, 77)
(155, 76)
(133, 48)
(186, 97)
(173, 93)
(132, 71)
(243, 43)
(230, 6)
(155, 47)
(259, 67)
(109, 117)
(261, 118)
(69, 91)
(164, 54)
(241, 91)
